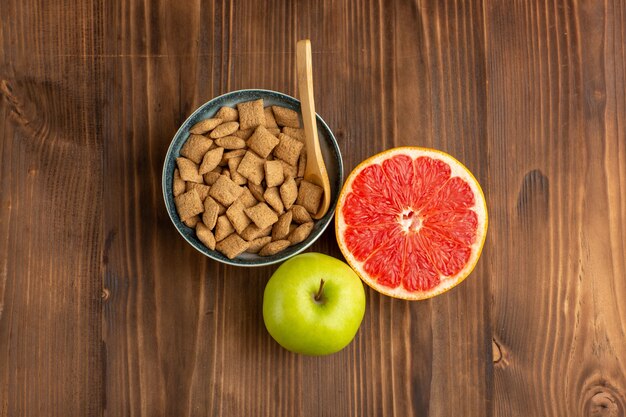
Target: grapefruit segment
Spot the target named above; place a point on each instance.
(457, 225)
(419, 274)
(430, 175)
(447, 256)
(362, 241)
(385, 263)
(411, 222)
(368, 182)
(454, 194)
(399, 178)
(359, 211)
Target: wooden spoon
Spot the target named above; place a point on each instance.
(315, 170)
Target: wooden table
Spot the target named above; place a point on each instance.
(105, 310)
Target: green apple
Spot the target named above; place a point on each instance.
(313, 304)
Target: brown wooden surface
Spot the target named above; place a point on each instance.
(106, 311)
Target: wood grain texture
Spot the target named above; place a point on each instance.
(106, 311)
(50, 211)
(556, 102)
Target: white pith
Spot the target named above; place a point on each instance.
(410, 221)
(413, 225)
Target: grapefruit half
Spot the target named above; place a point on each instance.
(411, 222)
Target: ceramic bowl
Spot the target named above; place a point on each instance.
(330, 150)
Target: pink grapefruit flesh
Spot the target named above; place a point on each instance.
(411, 222)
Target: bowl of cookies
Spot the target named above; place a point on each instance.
(233, 179)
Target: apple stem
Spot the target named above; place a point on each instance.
(318, 296)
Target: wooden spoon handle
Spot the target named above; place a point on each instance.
(315, 168)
